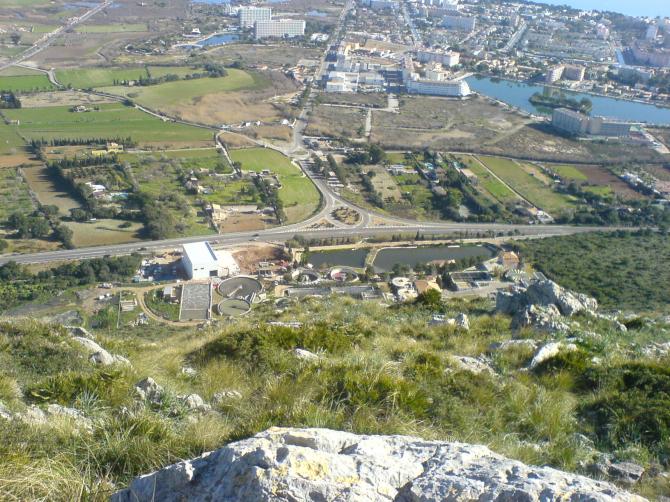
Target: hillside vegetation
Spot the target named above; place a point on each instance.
(622, 270)
(380, 370)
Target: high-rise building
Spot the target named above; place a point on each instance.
(449, 88)
(447, 58)
(280, 28)
(465, 23)
(249, 15)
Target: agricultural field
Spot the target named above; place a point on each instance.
(263, 55)
(18, 71)
(10, 142)
(659, 172)
(14, 193)
(238, 97)
(108, 121)
(26, 83)
(104, 232)
(568, 172)
(92, 77)
(298, 193)
(48, 191)
(498, 190)
(527, 181)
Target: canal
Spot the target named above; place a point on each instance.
(517, 94)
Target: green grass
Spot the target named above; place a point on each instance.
(84, 78)
(230, 193)
(486, 180)
(570, 173)
(9, 139)
(26, 83)
(185, 91)
(112, 120)
(298, 193)
(530, 187)
(602, 190)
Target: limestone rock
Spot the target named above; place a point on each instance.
(305, 355)
(196, 403)
(56, 410)
(543, 318)
(88, 344)
(472, 364)
(221, 397)
(510, 344)
(656, 350)
(463, 322)
(98, 355)
(324, 465)
(188, 371)
(549, 351)
(5, 414)
(33, 415)
(149, 390)
(626, 472)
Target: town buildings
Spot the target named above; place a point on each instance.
(579, 124)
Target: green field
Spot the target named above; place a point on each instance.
(186, 91)
(14, 194)
(112, 28)
(530, 187)
(85, 78)
(298, 193)
(26, 83)
(15, 71)
(486, 180)
(110, 121)
(9, 139)
(103, 232)
(569, 173)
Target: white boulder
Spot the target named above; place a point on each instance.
(324, 465)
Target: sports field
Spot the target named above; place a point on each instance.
(298, 193)
(528, 183)
(109, 121)
(26, 83)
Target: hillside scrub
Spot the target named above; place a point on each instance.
(624, 270)
(377, 370)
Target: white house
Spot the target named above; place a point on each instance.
(200, 261)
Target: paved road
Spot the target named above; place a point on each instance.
(283, 234)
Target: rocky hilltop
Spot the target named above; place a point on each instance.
(285, 464)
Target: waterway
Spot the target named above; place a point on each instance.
(517, 94)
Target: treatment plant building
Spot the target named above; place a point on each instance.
(200, 262)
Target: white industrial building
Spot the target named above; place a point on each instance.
(280, 28)
(200, 262)
(249, 15)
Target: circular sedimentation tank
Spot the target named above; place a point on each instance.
(305, 276)
(239, 287)
(343, 274)
(233, 307)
